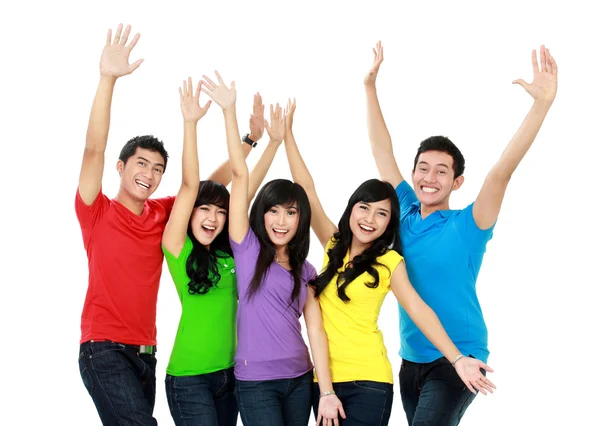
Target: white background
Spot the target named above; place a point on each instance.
(448, 70)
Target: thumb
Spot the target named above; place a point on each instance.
(205, 108)
(267, 126)
(342, 412)
(233, 85)
(486, 367)
(521, 83)
(135, 65)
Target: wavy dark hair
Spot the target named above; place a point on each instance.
(201, 265)
(285, 193)
(370, 191)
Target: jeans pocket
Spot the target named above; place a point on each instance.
(370, 386)
(107, 356)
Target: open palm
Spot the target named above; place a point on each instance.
(219, 92)
(545, 77)
(377, 60)
(190, 101)
(115, 56)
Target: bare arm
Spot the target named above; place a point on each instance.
(257, 128)
(543, 90)
(381, 142)
(320, 223)
(276, 132)
(429, 324)
(238, 201)
(114, 63)
(176, 230)
(319, 347)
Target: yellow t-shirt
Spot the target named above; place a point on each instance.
(356, 348)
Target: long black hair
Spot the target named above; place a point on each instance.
(284, 193)
(201, 265)
(370, 191)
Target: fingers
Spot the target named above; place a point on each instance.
(543, 61)
(553, 64)
(267, 127)
(180, 95)
(118, 34)
(125, 35)
(488, 382)
(108, 37)
(521, 83)
(219, 79)
(342, 412)
(319, 417)
(534, 62)
(189, 86)
(197, 94)
(207, 106)
(208, 83)
(184, 88)
(484, 365)
(336, 422)
(134, 41)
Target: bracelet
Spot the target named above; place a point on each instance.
(456, 359)
(249, 141)
(326, 393)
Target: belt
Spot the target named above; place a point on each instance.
(140, 349)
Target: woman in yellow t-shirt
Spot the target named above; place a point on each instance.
(362, 264)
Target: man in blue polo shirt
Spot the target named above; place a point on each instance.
(444, 248)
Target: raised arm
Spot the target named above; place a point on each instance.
(114, 63)
(329, 404)
(423, 316)
(238, 201)
(276, 132)
(381, 142)
(543, 91)
(176, 230)
(320, 223)
(257, 128)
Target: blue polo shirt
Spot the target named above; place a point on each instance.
(443, 255)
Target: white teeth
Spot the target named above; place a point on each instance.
(430, 190)
(280, 231)
(367, 228)
(210, 228)
(142, 184)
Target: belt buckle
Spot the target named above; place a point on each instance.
(145, 349)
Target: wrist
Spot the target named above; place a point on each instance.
(107, 79)
(326, 393)
(456, 359)
(255, 138)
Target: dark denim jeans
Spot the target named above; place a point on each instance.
(282, 402)
(205, 399)
(433, 394)
(365, 403)
(121, 382)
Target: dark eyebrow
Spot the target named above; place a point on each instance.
(439, 164)
(148, 161)
(369, 204)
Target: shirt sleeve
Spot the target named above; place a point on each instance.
(89, 216)
(248, 245)
(476, 239)
(167, 203)
(389, 262)
(406, 197)
(178, 266)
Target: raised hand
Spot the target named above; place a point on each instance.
(468, 369)
(330, 407)
(545, 78)
(257, 119)
(289, 114)
(276, 129)
(115, 56)
(190, 101)
(219, 92)
(377, 60)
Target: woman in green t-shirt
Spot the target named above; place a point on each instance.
(200, 380)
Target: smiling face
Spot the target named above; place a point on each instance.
(281, 223)
(433, 179)
(142, 173)
(368, 221)
(207, 222)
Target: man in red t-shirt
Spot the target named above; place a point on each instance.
(122, 239)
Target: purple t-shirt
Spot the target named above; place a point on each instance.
(270, 344)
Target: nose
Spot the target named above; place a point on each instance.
(281, 216)
(431, 176)
(212, 215)
(371, 216)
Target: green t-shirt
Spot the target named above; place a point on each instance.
(206, 337)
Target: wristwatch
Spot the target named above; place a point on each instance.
(248, 140)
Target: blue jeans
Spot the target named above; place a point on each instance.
(365, 402)
(205, 399)
(282, 402)
(121, 382)
(433, 394)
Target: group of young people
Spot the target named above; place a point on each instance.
(239, 264)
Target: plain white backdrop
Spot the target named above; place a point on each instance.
(448, 70)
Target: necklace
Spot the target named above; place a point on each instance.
(281, 261)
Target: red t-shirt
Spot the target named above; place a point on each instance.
(125, 263)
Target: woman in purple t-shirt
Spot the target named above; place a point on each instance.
(272, 364)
